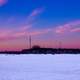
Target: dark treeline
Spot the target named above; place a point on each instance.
(38, 50)
(51, 51)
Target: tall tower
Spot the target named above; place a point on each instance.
(30, 42)
(60, 44)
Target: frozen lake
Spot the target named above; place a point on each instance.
(40, 67)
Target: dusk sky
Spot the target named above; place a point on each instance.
(49, 22)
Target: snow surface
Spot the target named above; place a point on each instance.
(39, 67)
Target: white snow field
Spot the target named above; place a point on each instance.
(40, 67)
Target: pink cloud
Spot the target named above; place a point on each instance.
(21, 31)
(12, 34)
(33, 33)
(2, 2)
(41, 32)
(68, 27)
(75, 30)
(62, 29)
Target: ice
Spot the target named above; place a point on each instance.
(40, 67)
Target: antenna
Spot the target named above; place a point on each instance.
(60, 44)
(30, 42)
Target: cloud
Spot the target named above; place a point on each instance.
(69, 27)
(36, 12)
(25, 28)
(12, 34)
(33, 33)
(41, 32)
(75, 30)
(31, 18)
(62, 29)
(3, 2)
(22, 31)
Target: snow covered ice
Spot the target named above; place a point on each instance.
(40, 67)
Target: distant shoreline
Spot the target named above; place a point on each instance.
(43, 51)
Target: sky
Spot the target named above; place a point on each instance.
(50, 23)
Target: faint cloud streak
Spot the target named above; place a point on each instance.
(3, 2)
(75, 30)
(69, 27)
(36, 12)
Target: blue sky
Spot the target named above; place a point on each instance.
(43, 19)
(55, 11)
